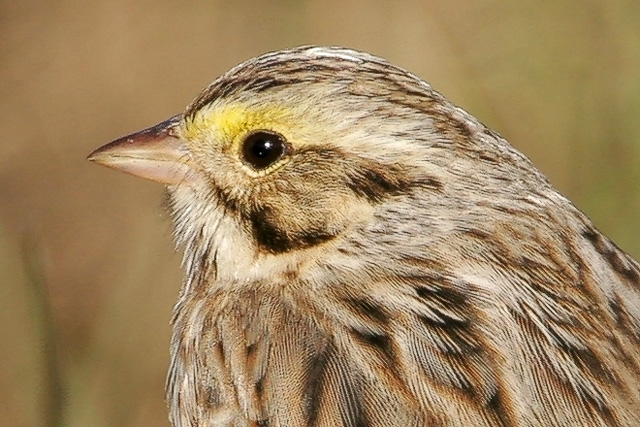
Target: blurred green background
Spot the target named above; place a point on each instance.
(87, 271)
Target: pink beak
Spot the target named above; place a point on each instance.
(157, 153)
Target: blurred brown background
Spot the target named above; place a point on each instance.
(87, 271)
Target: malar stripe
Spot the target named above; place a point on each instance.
(274, 240)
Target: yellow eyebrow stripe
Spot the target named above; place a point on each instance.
(228, 122)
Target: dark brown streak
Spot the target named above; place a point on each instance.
(544, 281)
(214, 265)
(272, 239)
(448, 297)
(263, 84)
(477, 233)
(614, 255)
(381, 342)
(258, 78)
(315, 383)
(349, 392)
(365, 308)
(586, 360)
(460, 332)
(463, 128)
(230, 204)
(352, 411)
(498, 408)
(376, 182)
(598, 411)
(623, 319)
(582, 395)
(212, 396)
(368, 179)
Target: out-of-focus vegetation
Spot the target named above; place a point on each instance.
(87, 271)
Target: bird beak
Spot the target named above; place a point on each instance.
(157, 153)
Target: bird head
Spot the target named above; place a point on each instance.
(299, 154)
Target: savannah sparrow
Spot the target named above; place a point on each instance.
(360, 252)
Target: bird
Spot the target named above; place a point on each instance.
(359, 251)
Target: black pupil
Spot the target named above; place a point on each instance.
(262, 149)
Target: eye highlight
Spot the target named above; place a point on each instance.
(262, 149)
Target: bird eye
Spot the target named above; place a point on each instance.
(262, 149)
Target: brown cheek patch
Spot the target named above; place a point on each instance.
(370, 180)
(373, 182)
